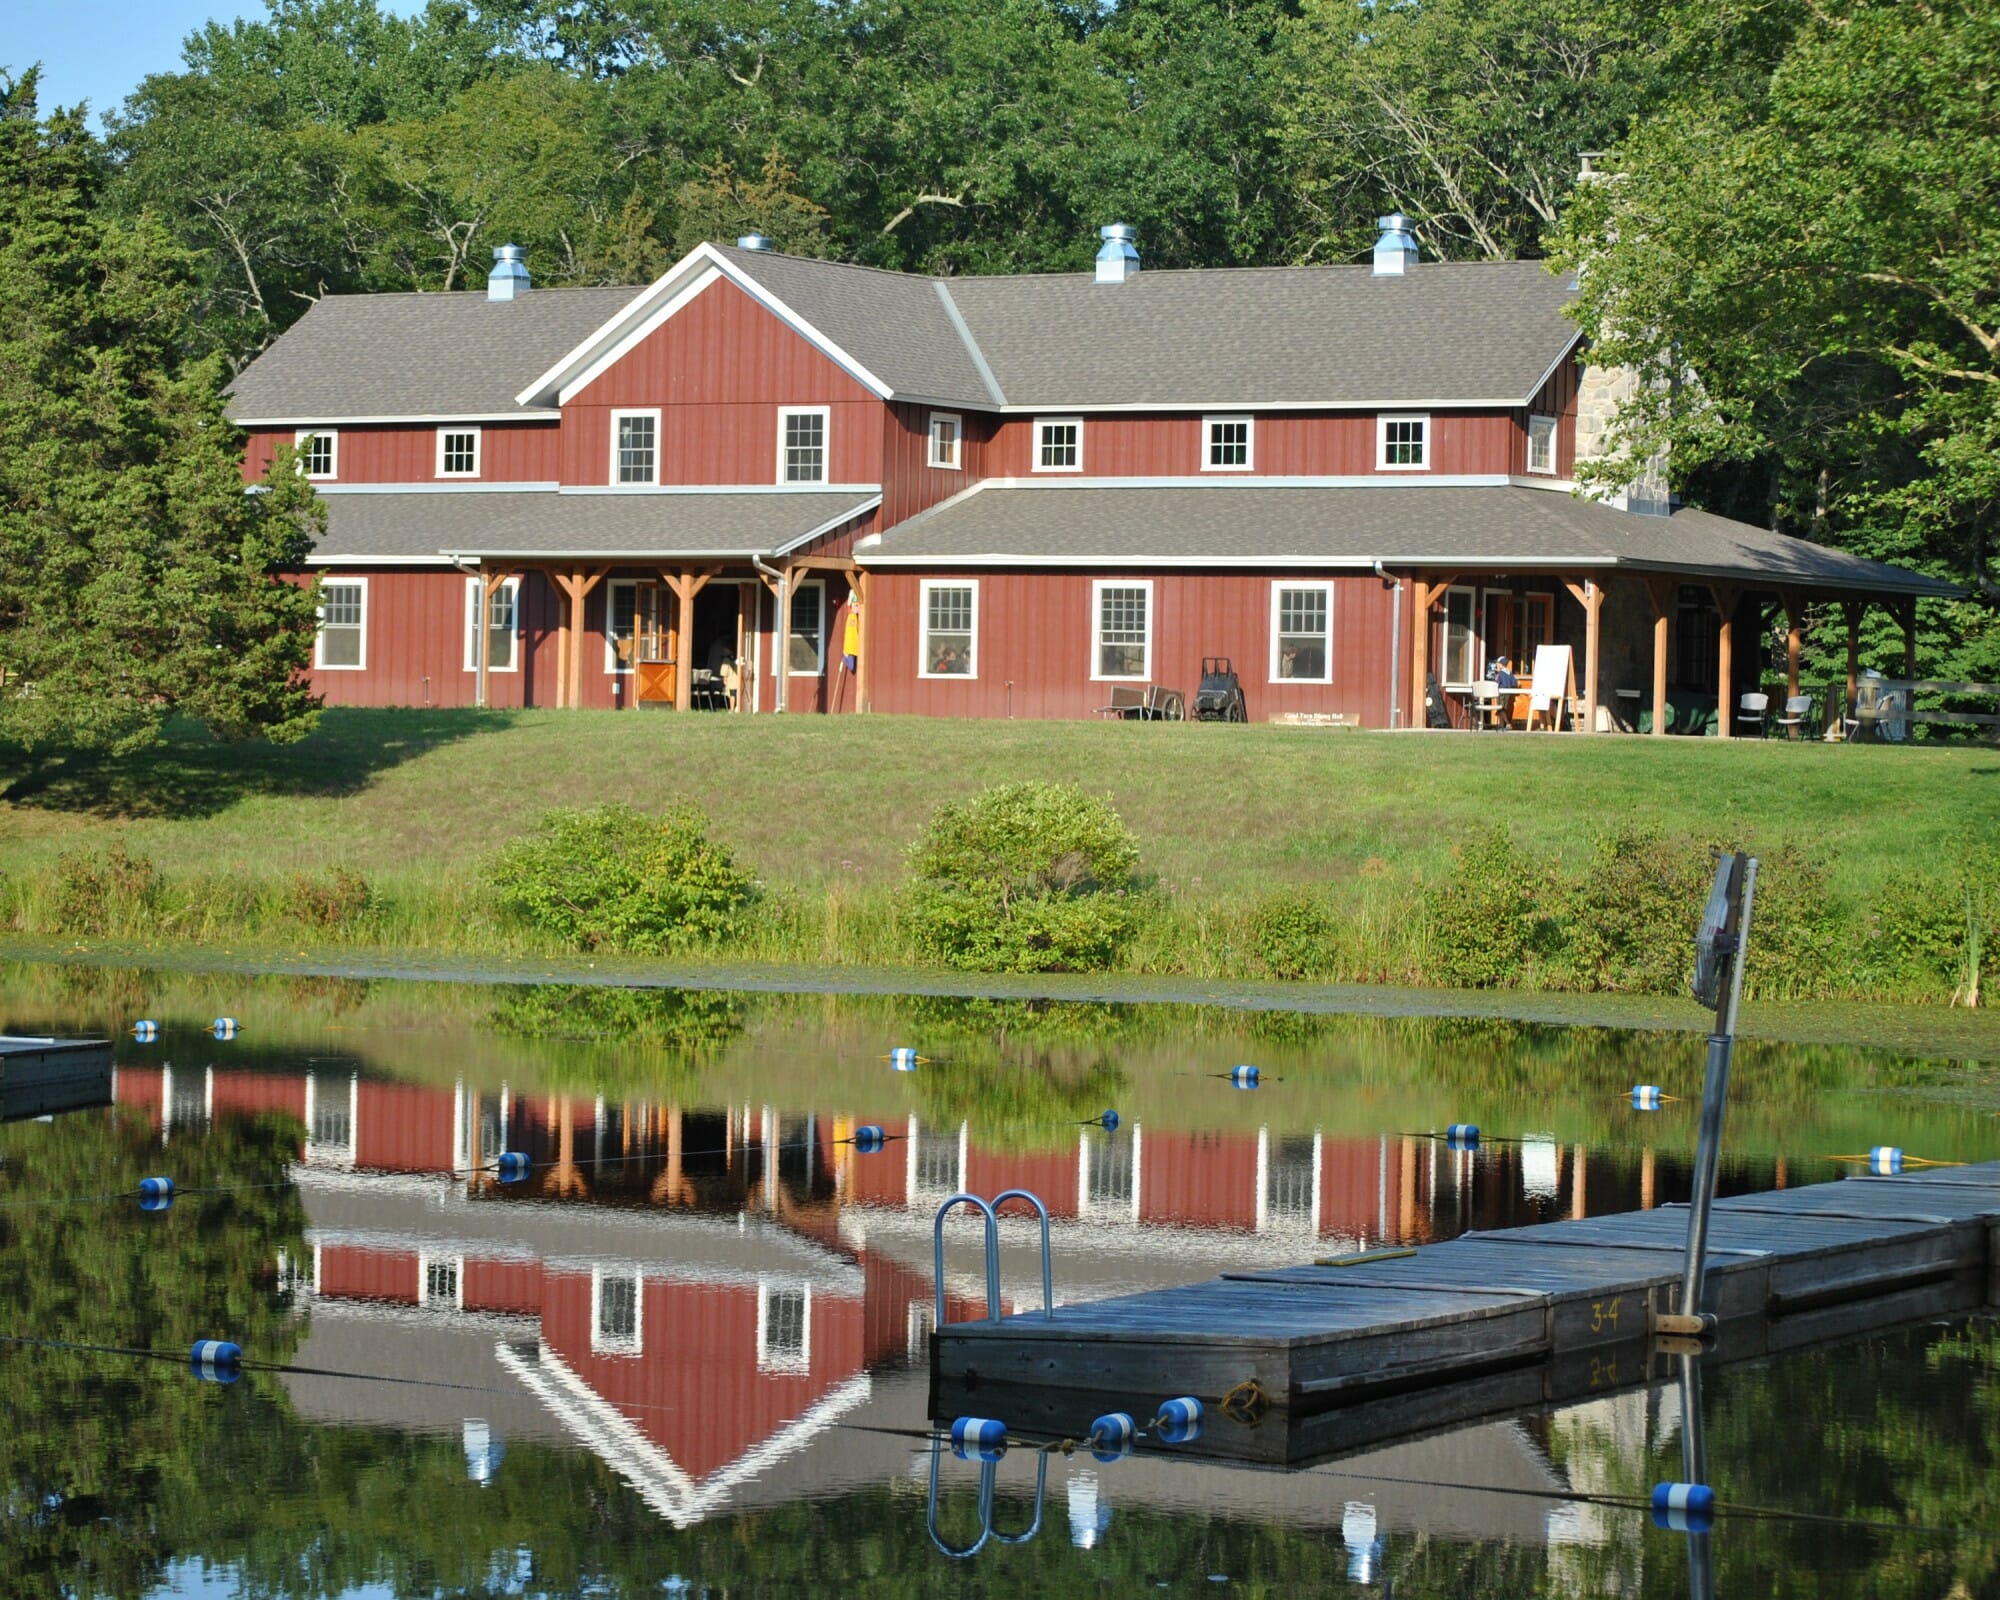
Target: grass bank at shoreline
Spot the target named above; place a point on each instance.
(823, 809)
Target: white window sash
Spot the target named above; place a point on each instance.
(1475, 649)
(1098, 589)
(825, 415)
(330, 437)
(1278, 593)
(611, 588)
(320, 663)
(473, 587)
(1042, 425)
(478, 448)
(1550, 424)
(769, 1357)
(925, 654)
(617, 1344)
(653, 480)
(1208, 428)
(1382, 461)
(791, 599)
(946, 461)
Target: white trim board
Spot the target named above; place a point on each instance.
(417, 419)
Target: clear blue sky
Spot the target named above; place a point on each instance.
(98, 50)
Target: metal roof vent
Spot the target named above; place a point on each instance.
(509, 278)
(1396, 250)
(1118, 257)
(753, 241)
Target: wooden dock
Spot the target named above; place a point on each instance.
(1391, 1343)
(39, 1077)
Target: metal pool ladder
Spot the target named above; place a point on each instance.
(990, 1209)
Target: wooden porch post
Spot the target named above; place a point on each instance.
(576, 588)
(1852, 610)
(685, 584)
(1794, 625)
(1907, 611)
(1420, 650)
(1661, 592)
(1725, 650)
(864, 598)
(1590, 595)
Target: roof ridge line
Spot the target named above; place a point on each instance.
(978, 356)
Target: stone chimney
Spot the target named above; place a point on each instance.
(1118, 256)
(1396, 249)
(1600, 394)
(509, 278)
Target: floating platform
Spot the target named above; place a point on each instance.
(39, 1077)
(1393, 1342)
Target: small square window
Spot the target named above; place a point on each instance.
(946, 432)
(1059, 444)
(343, 624)
(1404, 442)
(319, 453)
(1228, 444)
(635, 447)
(458, 453)
(1542, 444)
(802, 446)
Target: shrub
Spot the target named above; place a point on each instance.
(93, 891)
(1293, 934)
(1024, 877)
(340, 899)
(1627, 922)
(611, 878)
(1483, 918)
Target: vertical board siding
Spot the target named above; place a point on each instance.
(403, 1127)
(355, 1272)
(909, 481)
(1202, 1180)
(1284, 444)
(1557, 398)
(1034, 644)
(509, 452)
(719, 371)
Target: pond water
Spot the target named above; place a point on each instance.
(687, 1354)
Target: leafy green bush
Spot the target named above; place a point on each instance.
(1483, 918)
(611, 878)
(339, 899)
(1024, 877)
(1626, 923)
(1294, 934)
(93, 892)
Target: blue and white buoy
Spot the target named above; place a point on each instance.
(1109, 1121)
(1462, 1136)
(511, 1166)
(1684, 1507)
(1645, 1097)
(1245, 1077)
(156, 1194)
(216, 1361)
(867, 1139)
(146, 1032)
(903, 1059)
(1113, 1435)
(978, 1439)
(1179, 1421)
(1885, 1159)
(224, 1027)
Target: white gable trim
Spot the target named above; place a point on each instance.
(658, 303)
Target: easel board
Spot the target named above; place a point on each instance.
(1553, 686)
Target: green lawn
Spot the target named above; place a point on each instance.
(1223, 813)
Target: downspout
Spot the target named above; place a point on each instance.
(479, 630)
(1395, 646)
(778, 668)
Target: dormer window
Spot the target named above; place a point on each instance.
(319, 452)
(1059, 444)
(1227, 444)
(1403, 443)
(802, 445)
(635, 447)
(1542, 444)
(458, 453)
(946, 431)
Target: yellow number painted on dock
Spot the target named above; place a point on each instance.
(1602, 1373)
(1604, 1313)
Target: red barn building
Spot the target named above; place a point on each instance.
(768, 482)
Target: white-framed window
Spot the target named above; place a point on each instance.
(947, 433)
(319, 452)
(617, 1312)
(1464, 658)
(621, 624)
(1403, 443)
(1227, 443)
(1058, 444)
(458, 453)
(784, 1326)
(342, 645)
(441, 1281)
(1302, 633)
(802, 444)
(635, 447)
(503, 619)
(1542, 444)
(949, 647)
(1121, 633)
(808, 645)
(1534, 626)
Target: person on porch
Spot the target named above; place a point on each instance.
(1502, 672)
